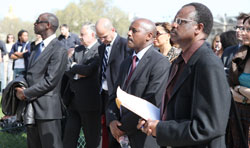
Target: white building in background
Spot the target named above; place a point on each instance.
(222, 24)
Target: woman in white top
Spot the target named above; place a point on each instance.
(8, 63)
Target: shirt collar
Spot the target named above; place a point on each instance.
(186, 55)
(21, 44)
(142, 52)
(113, 39)
(91, 45)
(48, 40)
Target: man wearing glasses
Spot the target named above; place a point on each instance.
(229, 52)
(195, 109)
(46, 66)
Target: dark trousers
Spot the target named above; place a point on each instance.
(45, 134)
(112, 143)
(90, 121)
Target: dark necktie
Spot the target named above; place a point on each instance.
(39, 50)
(172, 77)
(132, 69)
(105, 62)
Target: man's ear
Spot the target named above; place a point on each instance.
(199, 28)
(149, 36)
(49, 25)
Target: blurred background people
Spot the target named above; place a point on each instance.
(230, 51)
(37, 40)
(2, 53)
(239, 80)
(20, 53)
(228, 39)
(216, 46)
(8, 63)
(163, 42)
(69, 40)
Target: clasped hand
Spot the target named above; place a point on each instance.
(148, 127)
(115, 131)
(19, 93)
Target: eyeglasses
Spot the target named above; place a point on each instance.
(246, 29)
(179, 21)
(239, 27)
(39, 22)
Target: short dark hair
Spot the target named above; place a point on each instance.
(53, 20)
(203, 15)
(246, 18)
(64, 25)
(228, 38)
(165, 25)
(242, 16)
(20, 33)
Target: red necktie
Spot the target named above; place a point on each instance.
(131, 70)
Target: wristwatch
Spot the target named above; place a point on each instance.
(238, 88)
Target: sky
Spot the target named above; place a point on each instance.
(155, 10)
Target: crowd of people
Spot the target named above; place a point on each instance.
(72, 82)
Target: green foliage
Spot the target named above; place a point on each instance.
(75, 14)
(90, 11)
(13, 26)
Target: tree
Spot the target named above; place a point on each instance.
(76, 14)
(14, 25)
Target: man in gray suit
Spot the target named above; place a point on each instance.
(47, 64)
(144, 75)
(85, 103)
(195, 109)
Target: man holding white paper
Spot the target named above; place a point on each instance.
(195, 109)
(143, 75)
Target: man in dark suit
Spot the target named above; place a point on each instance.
(229, 52)
(144, 75)
(47, 64)
(84, 108)
(196, 106)
(112, 52)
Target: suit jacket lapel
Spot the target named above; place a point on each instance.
(89, 53)
(79, 55)
(141, 65)
(187, 70)
(184, 75)
(125, 72)
(44, 53)
(32, 55)
(114, 49)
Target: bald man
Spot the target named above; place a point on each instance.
(112, 52)
(144, 74)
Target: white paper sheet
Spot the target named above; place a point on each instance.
(139, 106)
